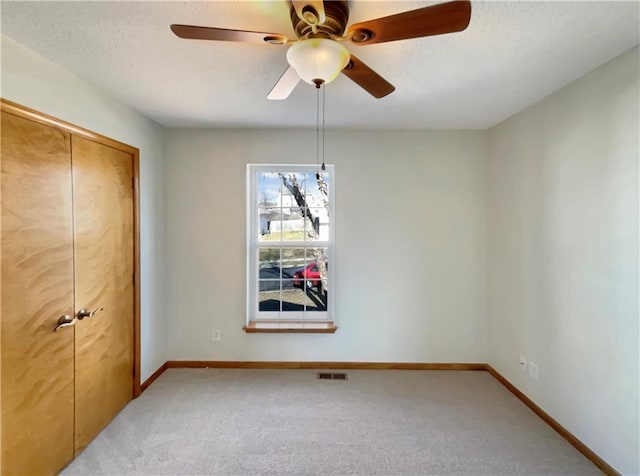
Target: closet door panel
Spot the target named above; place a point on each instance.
(37, 288)
(104, 271)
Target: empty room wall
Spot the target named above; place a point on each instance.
(563, 256)
(410, 245)
(37, 83)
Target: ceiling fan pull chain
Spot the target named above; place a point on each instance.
(323, 122)
(317, 128)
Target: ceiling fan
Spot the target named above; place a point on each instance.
(318, 55)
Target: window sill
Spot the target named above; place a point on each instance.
(299, 327)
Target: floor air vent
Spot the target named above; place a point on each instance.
(332, 376)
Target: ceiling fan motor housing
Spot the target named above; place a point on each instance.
(337, 17)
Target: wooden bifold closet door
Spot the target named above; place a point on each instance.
(68, 262)
(37, 289)
(104, 276)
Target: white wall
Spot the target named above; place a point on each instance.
(563, 256)
(35, 82)
(410, 238)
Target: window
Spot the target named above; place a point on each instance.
(290, 248)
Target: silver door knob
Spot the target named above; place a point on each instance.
(82, 313)
(64, 321)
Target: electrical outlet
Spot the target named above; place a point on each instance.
(533, 370)
(523, 363)
(217, 336)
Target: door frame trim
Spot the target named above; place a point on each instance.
(42, 118)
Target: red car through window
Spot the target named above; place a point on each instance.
(310, 273)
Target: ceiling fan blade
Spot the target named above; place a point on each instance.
(285, 85)
(191, 32)
(367, 78)
(310, 11)
(434, 20)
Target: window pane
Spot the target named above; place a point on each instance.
(269, 296)
(269, 263)
(269, 185)
(266, 285)
(269, 225)
(301, 179)
(314, 192)
(292, 224)
(292, 262)
(293, 187)
(293, 193)
(316, 297)
(293, 298)
(317, 224)
(317, 262)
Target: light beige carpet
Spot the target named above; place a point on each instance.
(255, 422)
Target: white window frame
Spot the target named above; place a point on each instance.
(253, 246)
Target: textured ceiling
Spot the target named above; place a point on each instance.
(513, 54)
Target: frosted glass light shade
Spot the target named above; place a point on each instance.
(318, 59)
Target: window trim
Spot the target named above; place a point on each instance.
(253, 244)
